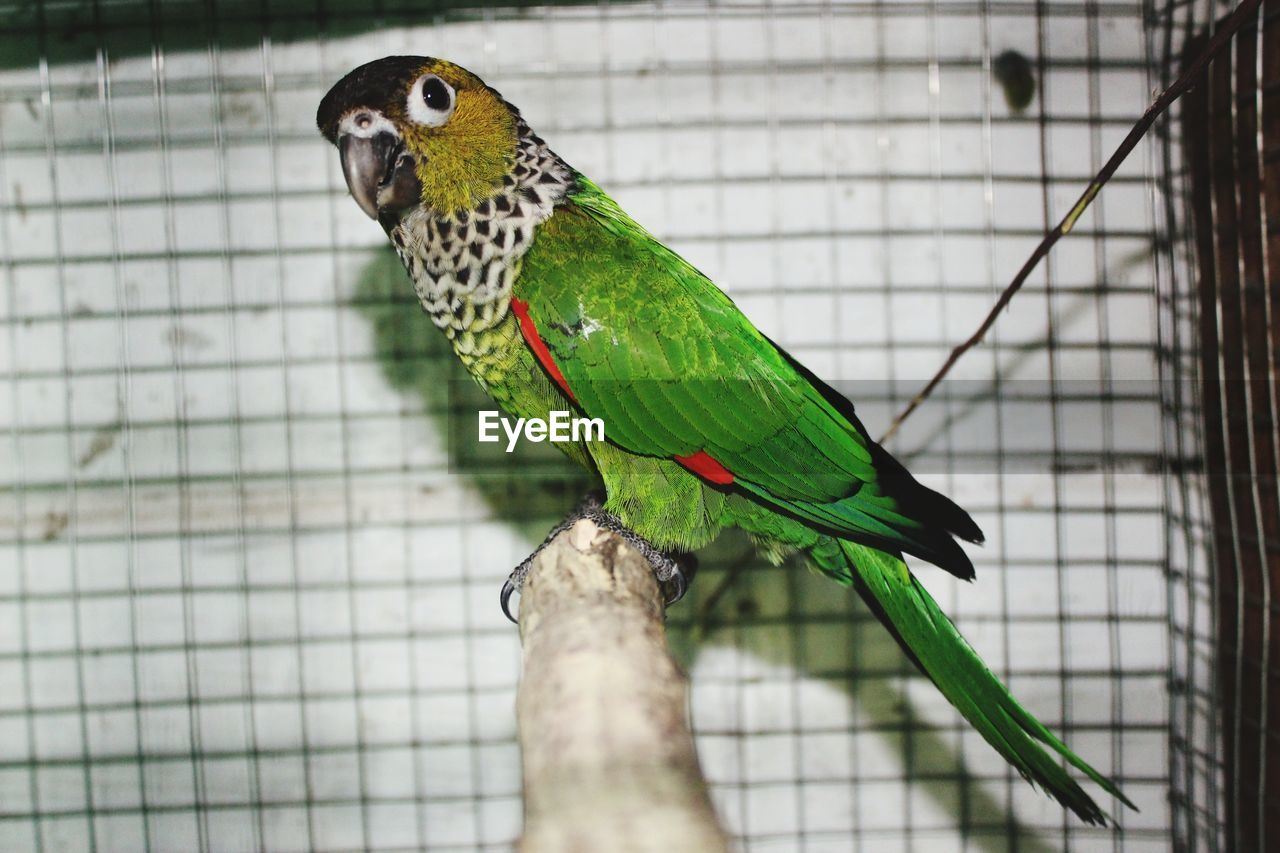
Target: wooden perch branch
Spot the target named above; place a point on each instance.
(609, 762)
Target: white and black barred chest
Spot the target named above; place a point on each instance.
(464, 264)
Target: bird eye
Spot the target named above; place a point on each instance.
(431, 101)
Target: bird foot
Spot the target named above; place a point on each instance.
(672, 571)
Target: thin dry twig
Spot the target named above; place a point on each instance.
(1243, 14)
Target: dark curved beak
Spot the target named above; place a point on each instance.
(380, 173)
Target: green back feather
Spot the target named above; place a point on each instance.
(664, 357)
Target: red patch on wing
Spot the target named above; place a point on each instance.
(704, 465)
(535, 342)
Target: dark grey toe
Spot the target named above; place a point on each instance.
(673, 571)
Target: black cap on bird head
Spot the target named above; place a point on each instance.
(413, 130)
(368, 85)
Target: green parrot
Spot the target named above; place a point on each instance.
(554, 299)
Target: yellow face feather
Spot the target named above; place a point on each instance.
(463, 161)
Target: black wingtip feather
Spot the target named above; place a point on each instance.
(921, 501)
(941, 550)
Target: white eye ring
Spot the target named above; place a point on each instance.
(431, 101)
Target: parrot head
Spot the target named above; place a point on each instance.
(412, 130)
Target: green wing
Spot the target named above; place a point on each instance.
(652, 347)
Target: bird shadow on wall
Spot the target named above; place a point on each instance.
(535, 486)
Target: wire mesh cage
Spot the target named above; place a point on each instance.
(249, 552)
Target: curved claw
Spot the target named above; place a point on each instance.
(505, 598)
(681, 584)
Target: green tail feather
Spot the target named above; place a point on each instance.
(937, 648)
